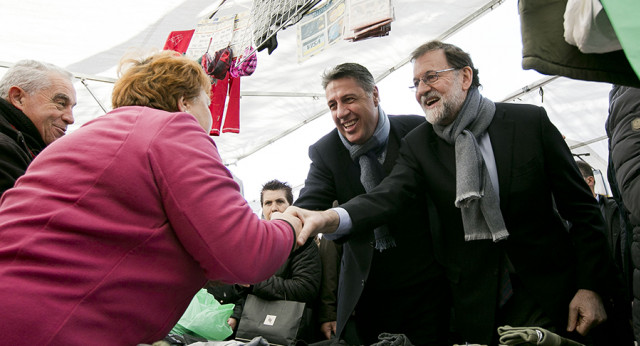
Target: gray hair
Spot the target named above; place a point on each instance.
(31, 76)
(350, 70)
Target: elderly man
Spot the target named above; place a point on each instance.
(502, 179)
(389, 281)
(36, 101)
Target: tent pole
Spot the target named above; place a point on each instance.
(84, 82)
(529, 88)
(454, 29)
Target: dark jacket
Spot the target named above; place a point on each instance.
(399, 290)
(330, 255)
(545, 50)
(534, 166)
(616, 236)
(623, 130)
(297, 279)
(20, 142)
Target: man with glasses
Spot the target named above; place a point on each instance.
(499, 176)
(389, 280)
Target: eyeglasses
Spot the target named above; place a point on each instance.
(429, 78)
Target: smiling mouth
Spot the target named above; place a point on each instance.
(349, 124)
(431, 100)
(61, 131)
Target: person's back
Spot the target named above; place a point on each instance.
(105, 235)
(129, 154)
(622, 129)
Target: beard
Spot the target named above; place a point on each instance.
(447, 109)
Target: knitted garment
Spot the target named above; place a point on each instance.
(371, 171)
(475, 195)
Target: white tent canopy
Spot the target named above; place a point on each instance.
(282, 108)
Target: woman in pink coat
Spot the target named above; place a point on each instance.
(115, 227)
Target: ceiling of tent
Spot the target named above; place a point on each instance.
(282, 108)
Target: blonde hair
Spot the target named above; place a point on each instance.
(159, 81)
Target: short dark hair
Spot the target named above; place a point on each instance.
(585, 169)
(275, 185)
(456, 57)
(350, 70)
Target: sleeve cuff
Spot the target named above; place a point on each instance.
(344, 227)
(293, 246)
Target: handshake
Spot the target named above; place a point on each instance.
(308, 223)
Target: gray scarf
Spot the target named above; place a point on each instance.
(475, 195)
(371, 170)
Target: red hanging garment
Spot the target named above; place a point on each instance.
(179, 40)
(219, 90)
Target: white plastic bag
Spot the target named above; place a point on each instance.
(587, 27)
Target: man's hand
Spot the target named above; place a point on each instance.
(314, 222)
(232, 322)
(585, 312)
(327, 328)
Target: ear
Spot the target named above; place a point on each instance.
(467, 77)
(16, 97)
(376, 96)
(183, 105)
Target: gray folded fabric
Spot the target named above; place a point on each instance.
(532, 336)
(388, 339)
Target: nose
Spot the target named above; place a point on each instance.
(422, 89)
(67, 117)
(342, 110)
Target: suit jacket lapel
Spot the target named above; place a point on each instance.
(349, 171)
(393, 145)
(502, 136)
(353, 172)
(443, 151)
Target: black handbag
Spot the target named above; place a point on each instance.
(277, 321)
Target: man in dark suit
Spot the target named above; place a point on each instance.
(389, 280)
(615, 234)
(499, 176)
